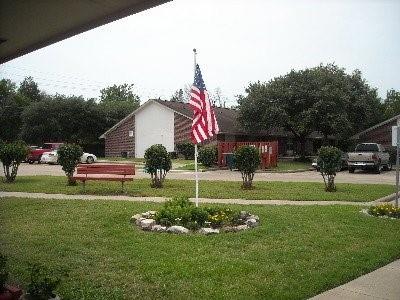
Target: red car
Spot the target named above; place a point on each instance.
(36, 154)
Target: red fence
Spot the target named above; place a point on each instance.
(268, 152)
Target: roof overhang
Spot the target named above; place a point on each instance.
(28, 25)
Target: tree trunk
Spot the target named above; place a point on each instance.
(71, 180)
(247, 181)
(330, 185)
(156, 181)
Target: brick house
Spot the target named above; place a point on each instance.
(168, 123)
(380, 133)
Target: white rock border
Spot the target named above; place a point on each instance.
(146, 221)
(365, 211)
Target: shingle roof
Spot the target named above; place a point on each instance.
(226, 117)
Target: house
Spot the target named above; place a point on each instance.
(380, 133)
(169, 122)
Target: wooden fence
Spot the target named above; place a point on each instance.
(268, 152)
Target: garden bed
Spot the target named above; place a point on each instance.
(180, 216)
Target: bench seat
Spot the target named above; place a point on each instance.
(105, 172)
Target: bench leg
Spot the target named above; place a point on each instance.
(122, 184)
(84, 186)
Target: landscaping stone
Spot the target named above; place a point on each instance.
(178, 229)
(134, 218)
(158, 228)
(251, 222)
(146, 224)
(138, 221)
(244, 214)
(208, 231)
(241, 227)
(257, 218)
(149, 214)
(228, 229)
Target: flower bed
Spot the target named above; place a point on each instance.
(385, 210)
(179, 215)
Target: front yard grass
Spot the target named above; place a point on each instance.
(288, 165)
(310, 191)
(295, 253)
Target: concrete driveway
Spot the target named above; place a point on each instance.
(313, 176)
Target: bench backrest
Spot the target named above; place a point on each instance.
(117, 169)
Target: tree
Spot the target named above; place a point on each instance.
(208, 156)
(29, 89)
(11, 107)
(247, 160)
(11, 156)
(329, 162)
(392, 103)
(123, 92)
(217, 98)
(178, 96)
(323, 99)
(69, 156)
(157, 163)
(61, 118)
(116, 102)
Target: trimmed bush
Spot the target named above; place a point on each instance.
(158, 163)
(43, 283)
(247, 159)
(186, 149)
(329, 162)
(208, 156)
(69, 156)
(11, 156)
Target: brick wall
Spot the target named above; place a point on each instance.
(182, 127)
(118, 140)
(381, 135)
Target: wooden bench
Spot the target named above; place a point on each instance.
(105, 172)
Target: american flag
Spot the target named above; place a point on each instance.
(204, 123)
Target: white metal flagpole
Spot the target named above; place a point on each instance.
(195, 145)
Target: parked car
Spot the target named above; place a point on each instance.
(52, 158)
(370, 156)
(343, 165)
(36, 154)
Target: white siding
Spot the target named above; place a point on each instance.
(154, 124)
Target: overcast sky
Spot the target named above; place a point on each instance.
(238, 42)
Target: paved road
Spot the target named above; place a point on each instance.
(358, 177)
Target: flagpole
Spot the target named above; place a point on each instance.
(195, 145)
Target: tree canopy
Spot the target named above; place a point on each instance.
(323, 98)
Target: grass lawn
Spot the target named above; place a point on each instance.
(190, 167)
(208, 189)
(295, 253)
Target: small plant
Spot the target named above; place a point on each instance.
(3, 271)
(157, 163)
(329, 162)
(385, 209)
(69, 156)
(11, 156)
(208, 156)
(247, 161)
(43, 283)
(186, 149)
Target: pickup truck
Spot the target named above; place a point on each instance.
(36, 154)
(369, 156)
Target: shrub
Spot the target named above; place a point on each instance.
(186, 149)
(385, 209)
(158, 163)
(11, 156)
(42, 283)
(329, 162)
(247, 160)
(173, 154)
(3, 271)
(208, 156)
(69, 156)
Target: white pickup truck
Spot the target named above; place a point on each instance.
(369, 156)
